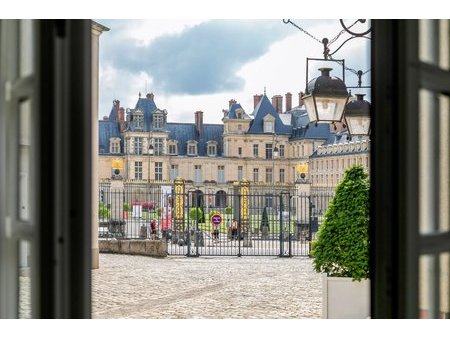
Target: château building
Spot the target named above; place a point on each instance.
(270, 147)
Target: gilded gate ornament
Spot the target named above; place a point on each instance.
(245, 211)
(179, 204)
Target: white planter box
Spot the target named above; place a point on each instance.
(344, 298)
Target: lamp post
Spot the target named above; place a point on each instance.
(326, 98)
(151, 151)
(275, 154)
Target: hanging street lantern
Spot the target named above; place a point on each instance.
(357, 116)
(325, 98)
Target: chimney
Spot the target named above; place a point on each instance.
(105, 118)
(256, 99)
(300, 100)
(199, 122)
(277, 103)
(231, 102)
(150, 96)
(121, 119)
(288, 101)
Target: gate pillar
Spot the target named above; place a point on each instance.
(179, 187)
(245, 213)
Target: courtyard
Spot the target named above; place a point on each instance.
(141, 287)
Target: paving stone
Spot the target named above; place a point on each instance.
(205, 287)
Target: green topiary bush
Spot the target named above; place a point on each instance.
(199, 214)
(103, 211)
(264, 220)
(342, 245)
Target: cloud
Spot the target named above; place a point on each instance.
(199, 65)
(201, 59)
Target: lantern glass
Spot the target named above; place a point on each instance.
(358, 125)
(275, 152)
(330, 109)
(310, 108)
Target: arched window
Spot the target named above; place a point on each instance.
(221, 199)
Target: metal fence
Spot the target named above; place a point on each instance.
(279, 224)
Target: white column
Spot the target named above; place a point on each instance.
(96, 30)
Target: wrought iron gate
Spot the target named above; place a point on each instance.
(267, 224)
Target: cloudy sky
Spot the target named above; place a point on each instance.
(201, 64)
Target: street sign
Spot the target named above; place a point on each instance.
(216, 219)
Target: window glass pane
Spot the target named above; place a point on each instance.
(444, 281)
(427, 281)
(434, 285)
(428, 41)
(26, 47)
(444, 163)
(444, 44)
(428, 163)
(24, 159)
(159, 146)
(24, 305)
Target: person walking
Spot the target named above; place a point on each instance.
(234, 230)
(216, 231)
(153, 229)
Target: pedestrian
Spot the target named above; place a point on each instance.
(153, 229)
(234, 230)
(216, 231)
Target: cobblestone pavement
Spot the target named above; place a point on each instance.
(128, 286)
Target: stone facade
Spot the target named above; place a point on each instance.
(329, 162)
(143, 147)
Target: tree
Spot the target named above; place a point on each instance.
(193, 215)
(103, 211)
(342, 245)
(264, 220)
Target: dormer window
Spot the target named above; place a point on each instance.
(159, 119)
(239, 113)
(269, 124)
(138, 118)
(192, 148)
(114, 145)
(212, 148)
(173, 147)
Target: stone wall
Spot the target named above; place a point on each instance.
(134, 247)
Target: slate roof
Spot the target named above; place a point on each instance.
(106, 130)
(262, 109)
(147, 106)
(303, 129)
(232, 112)
(184, 132)
(298, 128)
